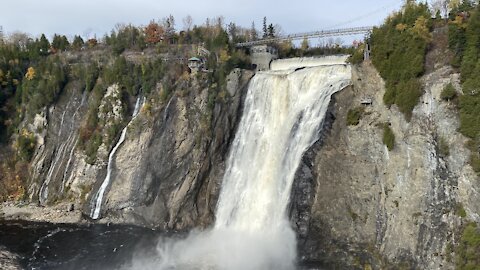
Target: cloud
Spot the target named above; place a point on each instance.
(74, 17)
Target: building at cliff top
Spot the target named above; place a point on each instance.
(195, 64)
(262, 56)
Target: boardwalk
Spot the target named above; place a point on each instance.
(322, 33)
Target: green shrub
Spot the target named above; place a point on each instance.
(399, 47)
(475, 162)
(388, 137)
(407, 95)
(460, 211)
(354, 116)
(443, 148)
(26, 143)
(448, 92)
(468, 250)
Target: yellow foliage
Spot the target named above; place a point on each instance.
(421, 29)
(453, 4)
(30, 73)
(224, 56)
(459, 21)
(401, 27)
(146, 109)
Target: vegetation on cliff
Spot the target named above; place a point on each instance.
(464, 41)
(398, 52)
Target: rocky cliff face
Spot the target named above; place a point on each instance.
(167, 172)
(355, 204)
(377, 208)
(169, 169)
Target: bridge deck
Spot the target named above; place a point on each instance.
(322, 33)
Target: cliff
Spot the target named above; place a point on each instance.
(355, 204)
(371, 207)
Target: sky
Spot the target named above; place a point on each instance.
(97, 17)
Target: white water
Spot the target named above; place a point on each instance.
(283, 115)
(294, 63)
(96, 203)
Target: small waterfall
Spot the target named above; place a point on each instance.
(283, 116)
(96, 202)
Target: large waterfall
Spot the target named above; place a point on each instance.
(283, 115)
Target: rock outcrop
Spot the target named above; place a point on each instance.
(381, 208)
(168, 171)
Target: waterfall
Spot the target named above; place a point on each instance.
(96, 202)
(283, 116)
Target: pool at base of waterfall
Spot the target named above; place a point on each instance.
(39, 246)
(71, 246)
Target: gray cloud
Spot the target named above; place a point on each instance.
(75, 17)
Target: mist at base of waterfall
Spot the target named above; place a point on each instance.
(224, 249)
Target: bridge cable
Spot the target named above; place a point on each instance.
(393, 3)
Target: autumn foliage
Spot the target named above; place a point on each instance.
(154, 33)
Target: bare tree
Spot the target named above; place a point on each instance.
(442, 6)
(278, 30)
(187, 23)
(20, 39)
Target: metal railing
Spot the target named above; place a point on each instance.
(322, 33)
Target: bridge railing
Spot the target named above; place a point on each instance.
(322, 33)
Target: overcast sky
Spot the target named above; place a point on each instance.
(100, 16)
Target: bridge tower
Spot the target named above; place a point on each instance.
(262, 56)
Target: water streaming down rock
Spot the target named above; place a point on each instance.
(96, 202)
(284, 112)
(67, 146)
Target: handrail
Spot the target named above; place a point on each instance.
(321, 33)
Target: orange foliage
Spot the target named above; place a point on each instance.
(154, 33)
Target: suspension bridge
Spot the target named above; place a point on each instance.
(308, 35)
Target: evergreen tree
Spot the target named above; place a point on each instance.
(77, 43)
(43, 45)
(271, 31)
(265, 33)
(253, 32)
(60, 42)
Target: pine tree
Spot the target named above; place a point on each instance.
(253, 32)
(77, 43)
(271, 31)
(265, 33)
(43, 45)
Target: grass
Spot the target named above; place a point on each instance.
(388, 137)
(443, 147)
(354, 115)
(468, 250)
(448, 93)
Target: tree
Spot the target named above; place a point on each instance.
(169, 26)
(442, 7)
(305, 44)
(77, 43)
(253, 32)
(30, 75)
(154, 33)
(265, 33)
(43, 45)
(232, 31)
(187, 23)
(60, 42)
(271, 31)
(92, 42)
